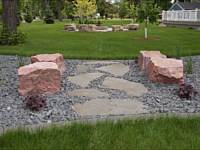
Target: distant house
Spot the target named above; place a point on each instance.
(183, 14)
(185, 6)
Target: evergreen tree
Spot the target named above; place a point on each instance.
(49, 16)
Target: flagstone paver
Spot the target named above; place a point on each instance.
(115, 69)
(131, 88)
(98, 62)
(93, 93)
(84, 79)
(110, 107)
(83, 68)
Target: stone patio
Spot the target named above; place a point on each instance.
(100, 103)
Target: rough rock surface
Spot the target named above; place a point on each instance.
(165, 70)
(117, 28)
(110, 107)
(70, 27)
(115, 69)
(133, 26)
(93, 93)
(87, 28)
(145, 56)
(101, 28)
(40, 77)
(56, 58)
(83, 80)
(130, 88)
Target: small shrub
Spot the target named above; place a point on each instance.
(173, 26)
(35, 101)
(12, 39)
(178, 51)
(28, 17)
(99, 23)
(187, 91)
(189, 64)
(190, 28)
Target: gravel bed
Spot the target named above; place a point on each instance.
(160, 98)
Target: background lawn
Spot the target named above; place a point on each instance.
(43, 38)
(152, 133)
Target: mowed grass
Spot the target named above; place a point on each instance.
(43, 38)
(152, 133)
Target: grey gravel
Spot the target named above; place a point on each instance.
(160, 98)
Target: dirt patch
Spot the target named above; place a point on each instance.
(148, 39)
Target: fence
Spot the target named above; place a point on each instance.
(182, 15)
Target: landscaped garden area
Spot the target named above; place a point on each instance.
(123, 83)
(44, 38)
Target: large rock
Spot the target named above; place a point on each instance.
(126, 26)
(117, 28)
(145, 57)
(56, 58)
(133, 26)
(101, 28)
(70, 27)
(40, 78)
(87, 28)
(165, 70)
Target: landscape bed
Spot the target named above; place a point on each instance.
(160, 98)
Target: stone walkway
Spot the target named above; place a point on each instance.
(100, 102)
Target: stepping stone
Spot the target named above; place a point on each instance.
(83, 68)
(130, 88)
(93, 93)
(110, 107)
(115, 69)
(98, 62)
(84, 79)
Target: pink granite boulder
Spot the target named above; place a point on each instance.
(56, 58)
(145, 56)
(165, 70)
(40, 78)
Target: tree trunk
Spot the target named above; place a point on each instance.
(59, 5)
(9, 15)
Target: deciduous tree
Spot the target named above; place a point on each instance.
(148, 13)
(84, 8)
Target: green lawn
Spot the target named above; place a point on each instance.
(44, 38)
(152, 133)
